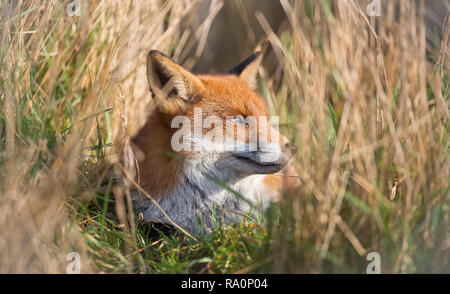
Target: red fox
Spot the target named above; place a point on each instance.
(208, 183)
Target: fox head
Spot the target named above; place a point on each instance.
(220, 122)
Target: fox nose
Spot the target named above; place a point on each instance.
(291, 147)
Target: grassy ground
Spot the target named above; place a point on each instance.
(365, 100)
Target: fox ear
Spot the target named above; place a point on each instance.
(173, 87)
(248, 69)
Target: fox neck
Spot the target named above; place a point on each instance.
(158, 173)
(197, 197)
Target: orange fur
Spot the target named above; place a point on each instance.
(158, 173)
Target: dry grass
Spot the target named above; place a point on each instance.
(61, 78)
(366, 100)
(371, 114)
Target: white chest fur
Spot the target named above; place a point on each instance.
(202, 203)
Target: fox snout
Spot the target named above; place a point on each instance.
(269, 158)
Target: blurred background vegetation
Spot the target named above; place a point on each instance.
(364, 98)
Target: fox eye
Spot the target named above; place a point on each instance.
(236, 119)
